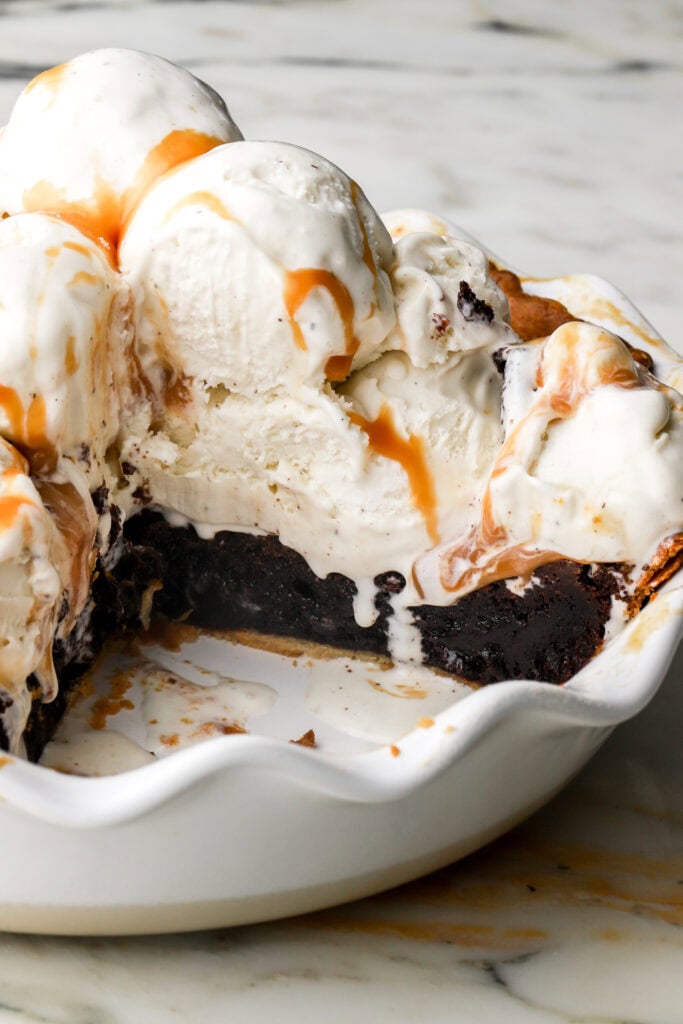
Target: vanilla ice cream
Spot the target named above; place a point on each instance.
(63, 317)
(86, 138)
(30, 587)
(261, 278)
(267, 249)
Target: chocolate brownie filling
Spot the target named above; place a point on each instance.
(546, 630)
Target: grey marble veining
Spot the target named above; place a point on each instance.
(552, 132)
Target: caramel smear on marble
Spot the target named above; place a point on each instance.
(516, 878)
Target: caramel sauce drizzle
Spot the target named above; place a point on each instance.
(10, 505)
(49, 79)
(83, 277)
(609, 364)
(410, 453)
(74, 518)
(368, 259)
(70, 359)
(75, 247)
(201, 198)
(27, 429)
(105, 216)
(300, 283)
(298, 286)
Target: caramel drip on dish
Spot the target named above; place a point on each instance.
(105, 707)
(609, 365)
(410, 453)
(298, 286)
(105, 216)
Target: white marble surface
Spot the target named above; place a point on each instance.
(553, 133)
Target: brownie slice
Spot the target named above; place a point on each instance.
(546, 631)
(237, 581)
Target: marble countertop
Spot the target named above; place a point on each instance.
(552, 132)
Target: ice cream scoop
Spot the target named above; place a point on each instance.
(262, 282)
(256, 266)
(63, 332)
(86, 138)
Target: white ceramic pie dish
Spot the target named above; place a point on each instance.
(244, 828)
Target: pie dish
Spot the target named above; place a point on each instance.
(250, 828)
(410, 471)
(232, 394)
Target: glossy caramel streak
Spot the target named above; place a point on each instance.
(368, 259)
(77, 525)
(12, 407)
(70, 358)
(35, 434)
(83, 277)
(531, 316)
(49, 79)
(298, 286)
(104, 215)
(205, 199)
(410, 453)
(10, 506)
(27, 429)
(77, 247)
(98, 217)
(610, 364)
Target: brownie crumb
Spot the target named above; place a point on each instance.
(500, 358)
(440, 325)
(472, 308)
(142, 494)
(127, 468)
(99, 499)
(307, 740)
